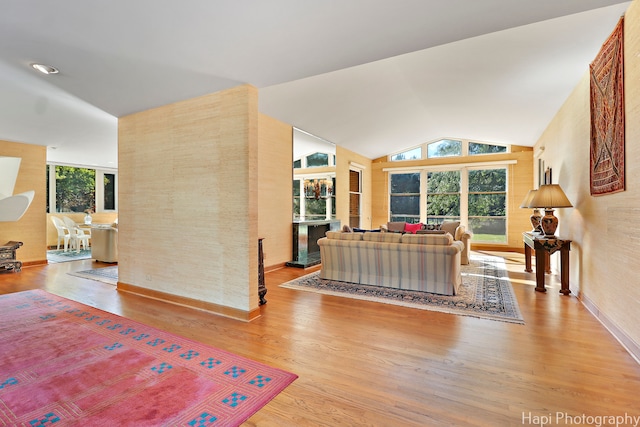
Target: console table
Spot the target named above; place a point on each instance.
(543, 247)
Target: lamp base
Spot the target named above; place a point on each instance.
(549, 223)
(535, 221)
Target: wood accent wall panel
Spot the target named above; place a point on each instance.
(188, 199)
(275, 183)
(31, 228)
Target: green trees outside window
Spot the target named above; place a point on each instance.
(477, 197)
(75, 189)
(443, 196)
(488, 204)
(405, 197)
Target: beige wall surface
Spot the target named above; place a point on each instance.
(344, 160)
(606, 243)
(519, 177)
(275, 199)
(188, 200)
(31, 228)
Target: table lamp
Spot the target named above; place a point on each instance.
(535, 216)
(549, 197)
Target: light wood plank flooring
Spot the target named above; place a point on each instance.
(368, 364)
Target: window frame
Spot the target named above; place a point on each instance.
(464, 190)
(99, 189)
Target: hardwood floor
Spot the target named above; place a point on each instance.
(367, 364)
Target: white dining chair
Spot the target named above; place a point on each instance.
(77, 236)
(63, 233)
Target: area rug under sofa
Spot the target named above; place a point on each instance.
(486, 292)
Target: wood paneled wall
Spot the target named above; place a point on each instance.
(606, 242)
(31, 228)
(188, 202)
(275, 199)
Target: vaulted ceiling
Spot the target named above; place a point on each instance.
(374, 76)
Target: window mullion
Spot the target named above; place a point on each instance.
(464, 197)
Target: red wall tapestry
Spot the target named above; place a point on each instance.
(607, 116)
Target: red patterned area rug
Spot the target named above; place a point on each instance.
(67, 364)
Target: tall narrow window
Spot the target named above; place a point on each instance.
(405, 197)
(109, 191)
(488, 205)
(443, 196)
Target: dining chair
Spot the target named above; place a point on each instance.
(77, 236)
(63, 233)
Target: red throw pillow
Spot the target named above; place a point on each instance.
(412, 228)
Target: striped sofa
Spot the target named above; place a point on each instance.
(419, 262)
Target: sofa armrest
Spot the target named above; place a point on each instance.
(464, 236)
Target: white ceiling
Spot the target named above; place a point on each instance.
(374, 76)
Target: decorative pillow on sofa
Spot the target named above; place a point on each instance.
(450, 227)
(396, 227)
(412, 228)
(431, 227)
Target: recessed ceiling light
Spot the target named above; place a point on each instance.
(45, 69)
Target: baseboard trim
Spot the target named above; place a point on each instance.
(220, 310)
(274, 267)
(32, 263)
(627, 342)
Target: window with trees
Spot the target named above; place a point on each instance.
(475, 197)
(413, 154)
(444, 148)
(443, 197)
(405, 197)
(488, 204)
(449, 148)
(74, 189)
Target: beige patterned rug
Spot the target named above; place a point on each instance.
(105, 274)
(486, 292)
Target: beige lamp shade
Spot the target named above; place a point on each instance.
(526, 203)
(550, 196)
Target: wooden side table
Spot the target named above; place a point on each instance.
(543, 247)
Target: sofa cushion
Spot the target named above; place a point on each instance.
(396, 227)
(459, 232)
(427, 239)
(338, 235)
(450, 227)
(412, 228)
(382, 237)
